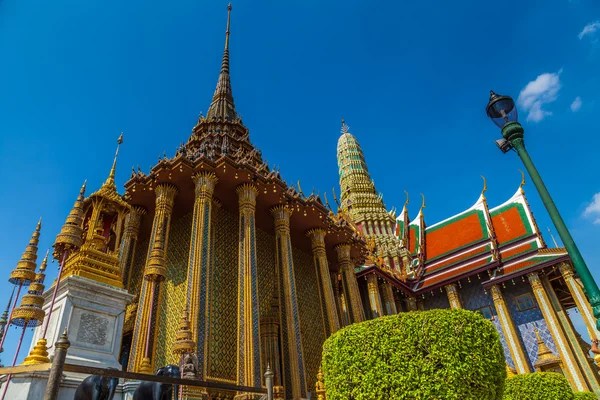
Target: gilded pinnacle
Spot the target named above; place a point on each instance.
(24, 273)
(71, 234)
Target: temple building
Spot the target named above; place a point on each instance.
(211, 256)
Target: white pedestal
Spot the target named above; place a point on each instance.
(93, 314)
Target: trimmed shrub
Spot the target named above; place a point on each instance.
(584, 396)
(538, 386)
(437, 354)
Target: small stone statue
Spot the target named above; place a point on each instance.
(190, 366)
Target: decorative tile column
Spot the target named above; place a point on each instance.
(154, 274)
(571, 337)
(510, 333)
(388, 297)
(350, 285)
(295, 362)
(198, 262)
(374, 297)
(249, 373)
(572, 371)
(133, 220)
(453, 297)
(317, 238)
(411, 304)
(582, 302)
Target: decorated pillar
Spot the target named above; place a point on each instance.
(133, 220)
(572, 371)
(349, 283)
(374, 297)
(154, 274)
(199, 258)
(248, 340)
(572, 337)
(388, 297)
(582, 302)
(287, 281)
(317, 237)
(397, 301)
(453, 297)
(411, 303)
(510, 333)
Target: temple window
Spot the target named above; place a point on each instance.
(486, 312)
(525, 302)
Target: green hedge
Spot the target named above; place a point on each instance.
(437, 354)
(584, 396)
(538, 386)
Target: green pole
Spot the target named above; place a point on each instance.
(513, 132)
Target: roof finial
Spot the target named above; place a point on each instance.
(484, 186)
(423, 203)
(111, 176)
(345, 127)
(228, 25)
(407, 199)
(222, 105)
(553, 239)
(522, 180)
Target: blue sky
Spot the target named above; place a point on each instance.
(411, 79)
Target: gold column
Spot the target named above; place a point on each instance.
(397, 301)
(572, 338)
(248, 338)
(198, 264)
(510, 333)
(374, 297)
(154, 274)
(350, 285)
(388, 296)
(133, 220)
(453, 297)
(572, 371)
(582, 302)
(295, 363)
(411, 304)
(317, 238)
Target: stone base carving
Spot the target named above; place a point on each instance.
(93, 314)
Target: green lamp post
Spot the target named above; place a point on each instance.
(503, 112)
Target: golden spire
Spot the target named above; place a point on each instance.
(544, 354)
(183, 337)
(422, 203)
(24, 273)
(44, 262)
(222, 105)
(71, 234)
(110, 181)
(31, 309)
(553, 239)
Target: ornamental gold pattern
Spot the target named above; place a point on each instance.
(317, 237)
(200, 256)
(510, 333)
(248, 314)
(571, 368)
(583, 305)
(133, 220)
(281, 216)
(374, 296)
(453, 296)
(30, 314)
(350, 285)
(71, 234)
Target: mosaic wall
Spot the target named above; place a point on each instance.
(439, 299)
(139, 262)
(311, 318)
(526, 320)
(173, 290)
(222, 295)
(474, 297)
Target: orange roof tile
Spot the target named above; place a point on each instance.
(455, 234)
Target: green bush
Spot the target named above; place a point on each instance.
(584, 396)
(437, 354)
(538, 386)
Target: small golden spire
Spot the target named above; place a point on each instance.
(184, 342)
(111, 176)
(300, 188)
(553, 239)
(44, 262)
(484, 186)
(522, 180)
(228, 25)
(71, 233)
(423, 203)
(24, 273)
(345, 128)
(407, 199)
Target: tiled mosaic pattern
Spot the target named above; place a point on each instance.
(222, 325)
(438, 300)
(526, 320)
(173, 291)
(311, 319)
(139, 263)
(265, 254)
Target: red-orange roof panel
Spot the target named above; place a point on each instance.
(455, 234)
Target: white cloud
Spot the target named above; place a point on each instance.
(589, 29)
(593, 209)
(576, 104)
(543, 90)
